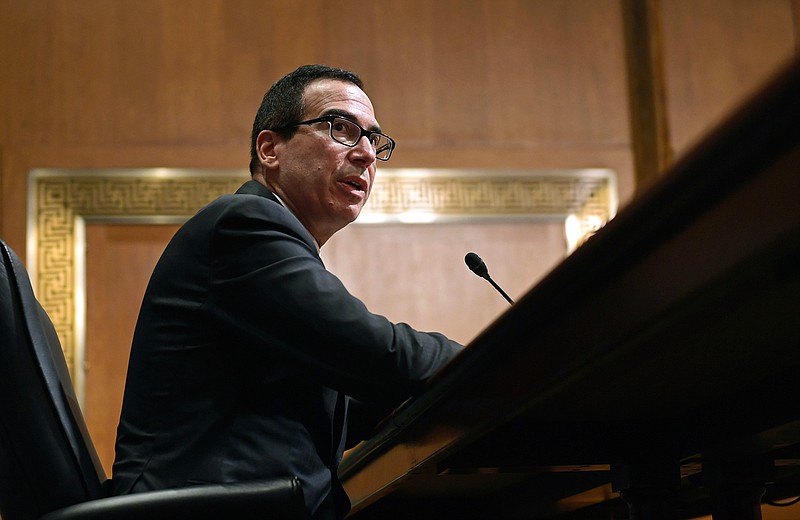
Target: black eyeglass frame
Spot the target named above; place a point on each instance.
(363, 133)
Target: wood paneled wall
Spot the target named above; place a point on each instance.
(459, 83)
(716, 53)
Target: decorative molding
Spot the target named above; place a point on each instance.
(471, 195)
(61, 200)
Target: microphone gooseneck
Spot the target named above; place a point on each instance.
(477, 266)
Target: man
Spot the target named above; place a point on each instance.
(248, 354)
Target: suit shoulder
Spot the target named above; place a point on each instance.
(243, 212)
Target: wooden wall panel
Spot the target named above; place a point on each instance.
(460, 83)
(796, 20)
(467, 73)
(505, 74)
(716, 54)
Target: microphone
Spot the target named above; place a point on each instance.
(477, 266)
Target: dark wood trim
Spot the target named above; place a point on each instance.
(646, 90)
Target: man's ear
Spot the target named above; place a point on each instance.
(265, 148)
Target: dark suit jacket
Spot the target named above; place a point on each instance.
(243, 352)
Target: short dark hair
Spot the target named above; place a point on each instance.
(284, 102)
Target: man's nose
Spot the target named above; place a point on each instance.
(364, 146)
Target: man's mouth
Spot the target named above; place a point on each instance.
(356, 182)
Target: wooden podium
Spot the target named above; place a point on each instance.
(655, 373)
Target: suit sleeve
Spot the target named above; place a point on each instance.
(271, 287)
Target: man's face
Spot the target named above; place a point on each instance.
(323, 182)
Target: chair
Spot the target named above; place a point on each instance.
(49, 469)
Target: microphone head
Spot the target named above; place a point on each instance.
(476, 265)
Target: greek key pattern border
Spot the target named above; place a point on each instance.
(475, 197)
(59, 199)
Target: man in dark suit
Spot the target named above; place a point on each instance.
(249, 357)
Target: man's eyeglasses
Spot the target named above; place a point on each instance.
(348, 133)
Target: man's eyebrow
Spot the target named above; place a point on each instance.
(350, 117)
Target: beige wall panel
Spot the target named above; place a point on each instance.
(716, 54)
(417, 274)
(119, 260)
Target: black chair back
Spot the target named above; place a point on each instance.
(47, 459)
